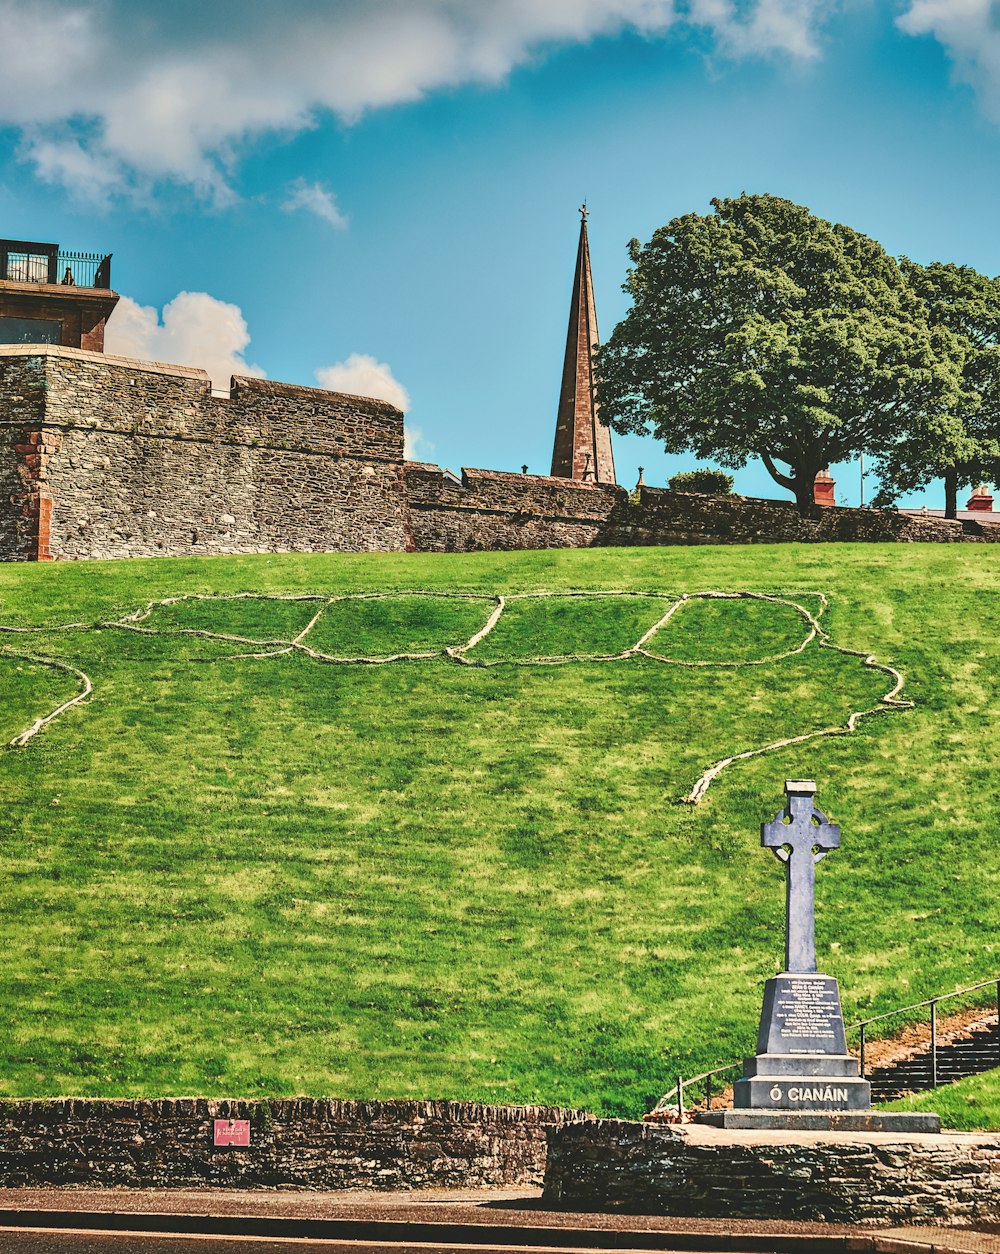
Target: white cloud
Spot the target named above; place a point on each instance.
(762, 28)
(146, 92)
(196, 330)
(969, 31)
(314, 198)
(415, 447)
(362, 375)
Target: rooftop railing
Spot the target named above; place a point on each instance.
(24, 262)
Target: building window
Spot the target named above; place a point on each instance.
(30, 331)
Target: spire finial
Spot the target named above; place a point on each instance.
(584, 212)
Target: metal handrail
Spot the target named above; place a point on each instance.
(677, 1092)
(917, 1005)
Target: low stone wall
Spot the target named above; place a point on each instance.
(659, 516)
(488, 509)
(493, 509)
(304, 1143)
(695, 1171)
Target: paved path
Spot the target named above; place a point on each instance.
(68, 1221)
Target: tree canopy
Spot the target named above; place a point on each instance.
(967, 304)
(761, 330)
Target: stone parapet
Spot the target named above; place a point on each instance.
(838, 1177)
(104, 457)
(306, 1143)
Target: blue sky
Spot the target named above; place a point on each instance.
(385, 191)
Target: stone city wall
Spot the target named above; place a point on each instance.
(108, 457)
(136, 459)
(659, 516)
(308, 1143)
(494, 510)
(696, 1171)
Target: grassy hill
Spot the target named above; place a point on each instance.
(268, 876)
(969, 1105)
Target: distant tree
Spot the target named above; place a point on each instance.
(713, 482)
(763, 331)
(967, 304)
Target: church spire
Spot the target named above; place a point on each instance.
(583, 443)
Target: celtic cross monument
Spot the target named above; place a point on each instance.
(802, 1075)
(802, 1061)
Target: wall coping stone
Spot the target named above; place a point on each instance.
(102, 359)
(296, 391)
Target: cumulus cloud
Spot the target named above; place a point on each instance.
(196, 330)
(363, 375)
(107, 90)
(788, 26)
(316, 199)
(415, 446)
(969, 31)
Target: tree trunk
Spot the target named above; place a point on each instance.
(951, 493)
(805, 495)
(800, 482)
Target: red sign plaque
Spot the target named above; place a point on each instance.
(232, 1131)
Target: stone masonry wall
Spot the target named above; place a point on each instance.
(108, 457)
(663, 517)
(492, 509)
(309, 1143)
(497, 510)
(22, 411)
(142, 460)
(843, 1178)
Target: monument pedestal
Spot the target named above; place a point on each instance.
(802, 1076)
(900, 1121)
(802, 1061)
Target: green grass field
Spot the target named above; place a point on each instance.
(970, 1105)
(272, 876)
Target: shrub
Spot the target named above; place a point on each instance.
(714, 482)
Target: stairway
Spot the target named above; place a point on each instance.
(974, 1050)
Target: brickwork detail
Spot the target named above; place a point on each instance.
(855, 1177)
(307, 1143)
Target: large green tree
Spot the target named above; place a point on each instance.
(967, 303)
(760, 330)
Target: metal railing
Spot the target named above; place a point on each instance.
(675, 1097)
(22, 262)
(933, 1002)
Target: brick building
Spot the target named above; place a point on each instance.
(48, 296)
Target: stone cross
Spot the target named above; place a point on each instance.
(800, 836)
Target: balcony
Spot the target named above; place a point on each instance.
(24, 262)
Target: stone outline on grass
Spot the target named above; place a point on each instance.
(891, 701)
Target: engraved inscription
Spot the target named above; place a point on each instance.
(807, 1009)
(828, 1094)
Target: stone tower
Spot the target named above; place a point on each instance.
(583, 443)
